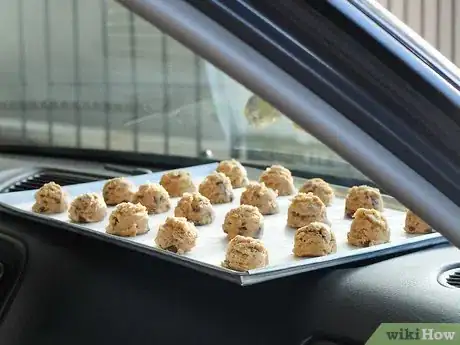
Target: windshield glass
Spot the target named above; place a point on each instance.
(91, 75)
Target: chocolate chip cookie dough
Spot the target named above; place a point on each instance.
(118, 190)
(87, 208)
(244, 220)
(258, 195)
(279, 179)
(177, 183)
(217, 188)
(128, 220)
(176, 235)
(315, 239)
(196, 208)
(50, 199)
(320, 188)
(415, 225)
(234, 171)
(305, 209)
(368, 228)
(245, 253)
(154, 197)
(362, 197)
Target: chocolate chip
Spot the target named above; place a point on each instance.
(375, 202)
(172, 249)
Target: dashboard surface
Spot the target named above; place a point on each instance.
(63, 288)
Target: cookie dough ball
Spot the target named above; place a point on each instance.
(415, 225)
(128, 220)
(368, 228)
(217, 188)
(362, 197)
(87, 208)
(315, 239)
(50, 199)
(118, 190)
(245, 253)
(245, 220)
(177, 183)
(305, 209)
(176, 235)
(320, 188)
(154, 197)
(279, 179)
(196, 208)
(258, 195)
(235, 172)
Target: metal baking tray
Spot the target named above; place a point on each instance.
(209, 253)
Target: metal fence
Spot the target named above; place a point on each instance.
(74, 72)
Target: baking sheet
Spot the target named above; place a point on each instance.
(211, 245)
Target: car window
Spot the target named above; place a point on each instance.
(90, 74)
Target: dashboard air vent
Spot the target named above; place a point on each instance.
(61, 177)
(450, 278)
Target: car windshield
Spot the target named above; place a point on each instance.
(90, 74)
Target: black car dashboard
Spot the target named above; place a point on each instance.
(58, 287)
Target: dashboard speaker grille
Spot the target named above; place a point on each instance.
(451, 278)
(61, 177)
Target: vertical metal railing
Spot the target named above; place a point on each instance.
(198, 109)
(134, 82)
(49, 81)
(77, 72)
(106, 72)
(165, 84)
(22, 68)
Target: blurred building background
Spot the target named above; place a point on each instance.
(89, 74)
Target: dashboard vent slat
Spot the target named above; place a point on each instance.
(61, 177)
(450, 278)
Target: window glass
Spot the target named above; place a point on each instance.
(89, 74)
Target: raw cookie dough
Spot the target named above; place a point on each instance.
(258, 195)
(320, 188)
(368, 228)
(118, 190)
(87, 208)
(196, 208)
(245, 220)
(217, 188)
(176, 235)
(128, 220)
(235, 172)
(315, 239)
(279, 179)
(415, 225)
(177, 183)
(50, 199)
(362, 197)
(245, 253)
(305, 209)
(154, 197)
